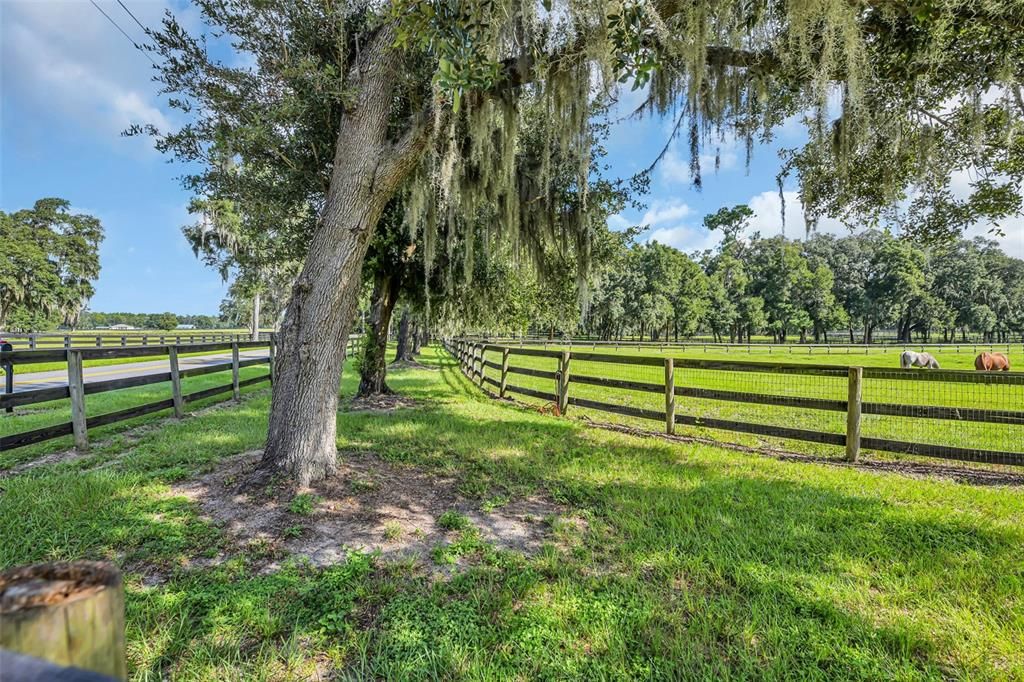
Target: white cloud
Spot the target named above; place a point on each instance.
(767, 220)
(674, 170)
(726, 149)
(1012, 244)
(686, 238)
(664, 211)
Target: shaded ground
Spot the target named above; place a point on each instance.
(370, 506)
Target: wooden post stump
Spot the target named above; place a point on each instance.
(69, 613)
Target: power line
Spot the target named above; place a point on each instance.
(144, 29)
(130, 39)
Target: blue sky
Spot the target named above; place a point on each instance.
(71, 83)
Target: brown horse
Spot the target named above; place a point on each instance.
(990, 362)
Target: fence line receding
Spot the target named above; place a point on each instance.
(950, 414)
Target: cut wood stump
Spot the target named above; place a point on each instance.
(69, 613)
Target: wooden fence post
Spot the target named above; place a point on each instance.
(235, 390)
(504, 373)
(76, 388)
(563, 382)
(70, 614)
(480, 364)
(172, 357)
(670, 397)
(853, 406)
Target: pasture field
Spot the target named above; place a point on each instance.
(668, 560)
(965, 434)
(871, 356)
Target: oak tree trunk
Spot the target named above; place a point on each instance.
(373, 366)
(255, 326)
(417, 338)
(402, 353)
(368, 168)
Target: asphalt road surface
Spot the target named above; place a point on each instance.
(59, 377)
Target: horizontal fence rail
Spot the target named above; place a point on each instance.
(886, 410)
(106, 338)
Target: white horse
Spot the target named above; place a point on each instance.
(909, 358)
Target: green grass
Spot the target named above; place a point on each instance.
(965, 434)
(675, 561)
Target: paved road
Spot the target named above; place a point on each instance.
(36, 380)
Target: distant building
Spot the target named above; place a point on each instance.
(122, 327)
(185, 326)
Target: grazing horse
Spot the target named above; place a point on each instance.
(909, 358)
(990, 362)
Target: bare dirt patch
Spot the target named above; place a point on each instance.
(412, 364)
(370, 505)
(382, 402)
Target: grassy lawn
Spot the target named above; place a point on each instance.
(686, 562)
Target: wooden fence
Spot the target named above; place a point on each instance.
(105, 338)
(471, 357)
(76, 388)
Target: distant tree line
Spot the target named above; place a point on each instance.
(808, 289)
(165, 321)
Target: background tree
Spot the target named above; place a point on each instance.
(51, 258)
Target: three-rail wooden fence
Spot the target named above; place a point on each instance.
(77, 388)
(471, 357)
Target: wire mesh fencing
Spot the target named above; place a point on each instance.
(971, 416)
